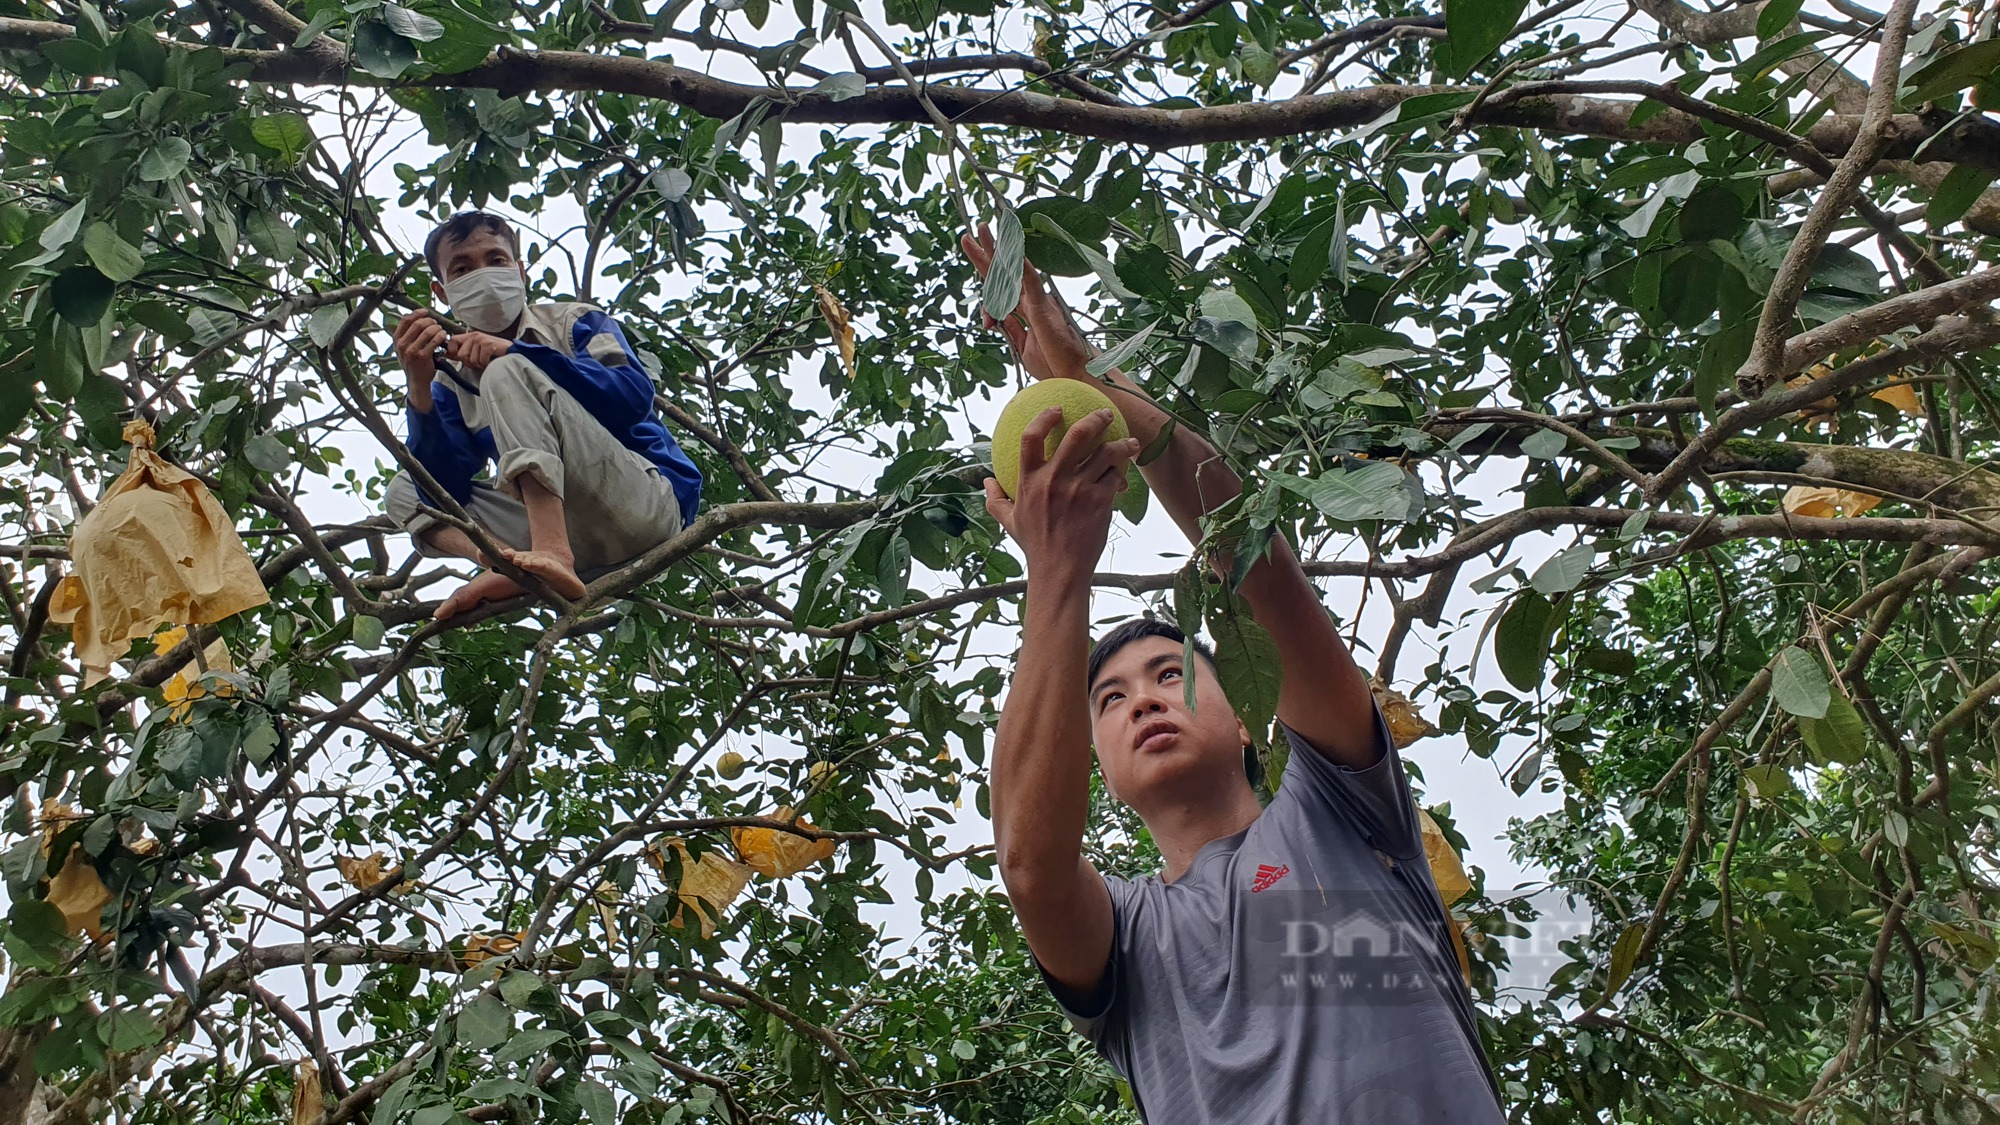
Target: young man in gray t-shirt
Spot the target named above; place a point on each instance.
(1291, 964)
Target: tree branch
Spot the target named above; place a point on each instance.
(1974, 141)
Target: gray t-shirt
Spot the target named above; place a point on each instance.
(1300, 972)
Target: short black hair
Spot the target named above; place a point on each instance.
(1138, 628)
(462, 226)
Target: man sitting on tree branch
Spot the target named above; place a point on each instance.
(1291, 964)
(587, 477)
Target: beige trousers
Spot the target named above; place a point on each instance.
(616, 502)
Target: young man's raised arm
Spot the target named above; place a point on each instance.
(1323, 695)
(1060, 516)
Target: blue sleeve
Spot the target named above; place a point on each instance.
(603, 375)
(443, 445)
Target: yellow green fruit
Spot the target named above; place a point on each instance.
(819, 773)
(1077, 399)
(730, 765)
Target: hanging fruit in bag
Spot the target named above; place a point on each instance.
(157, 549)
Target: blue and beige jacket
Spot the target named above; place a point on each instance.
(583, 352)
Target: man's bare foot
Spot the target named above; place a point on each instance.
(490, 586)
(557, 571)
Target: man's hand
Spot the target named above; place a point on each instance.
(417, 336)
(1041, 330)
(1061, 513)
(474, 350)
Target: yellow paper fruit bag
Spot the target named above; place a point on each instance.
(1406, 725)
(776, 854)
(708, 885)
(80, 894)
(1446, 871)
(158, 548)
(180, 691)
(1827, 503)
(1449, 875)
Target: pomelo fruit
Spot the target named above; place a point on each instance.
(731, 765)
(1077, 399)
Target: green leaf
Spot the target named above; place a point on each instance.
(76, 56)
(1132, 502)
(1001, 292)
(841, 87)
(1711, 211)
(1648, 170)
(1521, 640)
(1336, 251)
(1377, 490)
(1771, 55)
(1120, 355)
(82, 295)
(260, 739)
(1228, 306)
(267, 453)
(528, 1044)
(381, 51)
(1057, 227)
(1565, 571)
(411, 25)
(485, 1023)
(597, 1101)
(99, 400)
(1839, 736)
(128, 1030)
(38, 925)
(1845, 271)
(1776, 17)
(1475, 27)
(367, 632)
(963, 1049)
(1259, 64)
(322, 20)
(1955, 195)
(1246, 663)
(1624, 958)
(1225, 338)
(271, 235)
(1310, 259)
(114, 257)
(1544, 445)
(1768, 781)
(468, 41)
(287, 135)
(517, 988)
(1721, 356)
(165, 160)
(1093, 262)
(892, 570)
(325, 323)
(1799, 683)
(1896, 828)
(1158, 445)
(1953, 72)
(57, 235)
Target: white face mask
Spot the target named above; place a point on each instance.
(489, 300)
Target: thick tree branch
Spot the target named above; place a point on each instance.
(1774, 323)
(1974, 141)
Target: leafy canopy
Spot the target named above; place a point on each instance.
(1441, 284)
